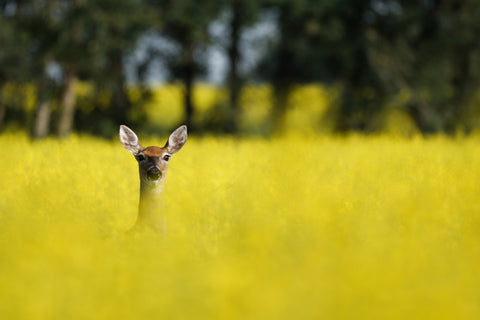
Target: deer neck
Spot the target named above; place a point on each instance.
(151, 205)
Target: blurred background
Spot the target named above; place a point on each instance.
(251, 67)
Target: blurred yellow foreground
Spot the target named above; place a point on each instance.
(290, 228)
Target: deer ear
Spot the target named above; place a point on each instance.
(129, 140)
(177, 139)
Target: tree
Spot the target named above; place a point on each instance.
(39, 19)
(42, 23)
(375, 49)
(77, 40)
(71, 54)
(14, 44)
(243, 13)
(185, 23)
(439, 42)
(363, 92)
(318, 41)
(109, 31)
(82, 39)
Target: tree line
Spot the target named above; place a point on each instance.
(421, 57)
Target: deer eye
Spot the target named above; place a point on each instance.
(140, 157)
(166, 157)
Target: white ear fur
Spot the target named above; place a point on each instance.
(177, 139)
(129, 140)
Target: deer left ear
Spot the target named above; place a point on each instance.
(129, 140)
(177, 139)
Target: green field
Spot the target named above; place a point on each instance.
(290, 228)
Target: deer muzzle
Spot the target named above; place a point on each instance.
(154, 173)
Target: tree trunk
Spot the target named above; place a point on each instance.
(3, 111)
(461, 82)
(423, 116)
(67, 106)
(233, 57)
(282, 75)
(189, 73)
(41, 124)
(280, 108)
(120, 101)
(42, 119)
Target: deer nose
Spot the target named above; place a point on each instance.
(154, 173)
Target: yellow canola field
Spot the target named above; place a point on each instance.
(289, 228)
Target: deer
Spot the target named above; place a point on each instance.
(152, 164)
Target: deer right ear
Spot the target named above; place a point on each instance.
(177, 139)
(129, 140)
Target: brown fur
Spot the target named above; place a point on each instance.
(153, 151)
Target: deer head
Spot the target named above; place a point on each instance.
(153, 161)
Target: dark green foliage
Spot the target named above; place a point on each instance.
(376, 49)
(426, 52)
